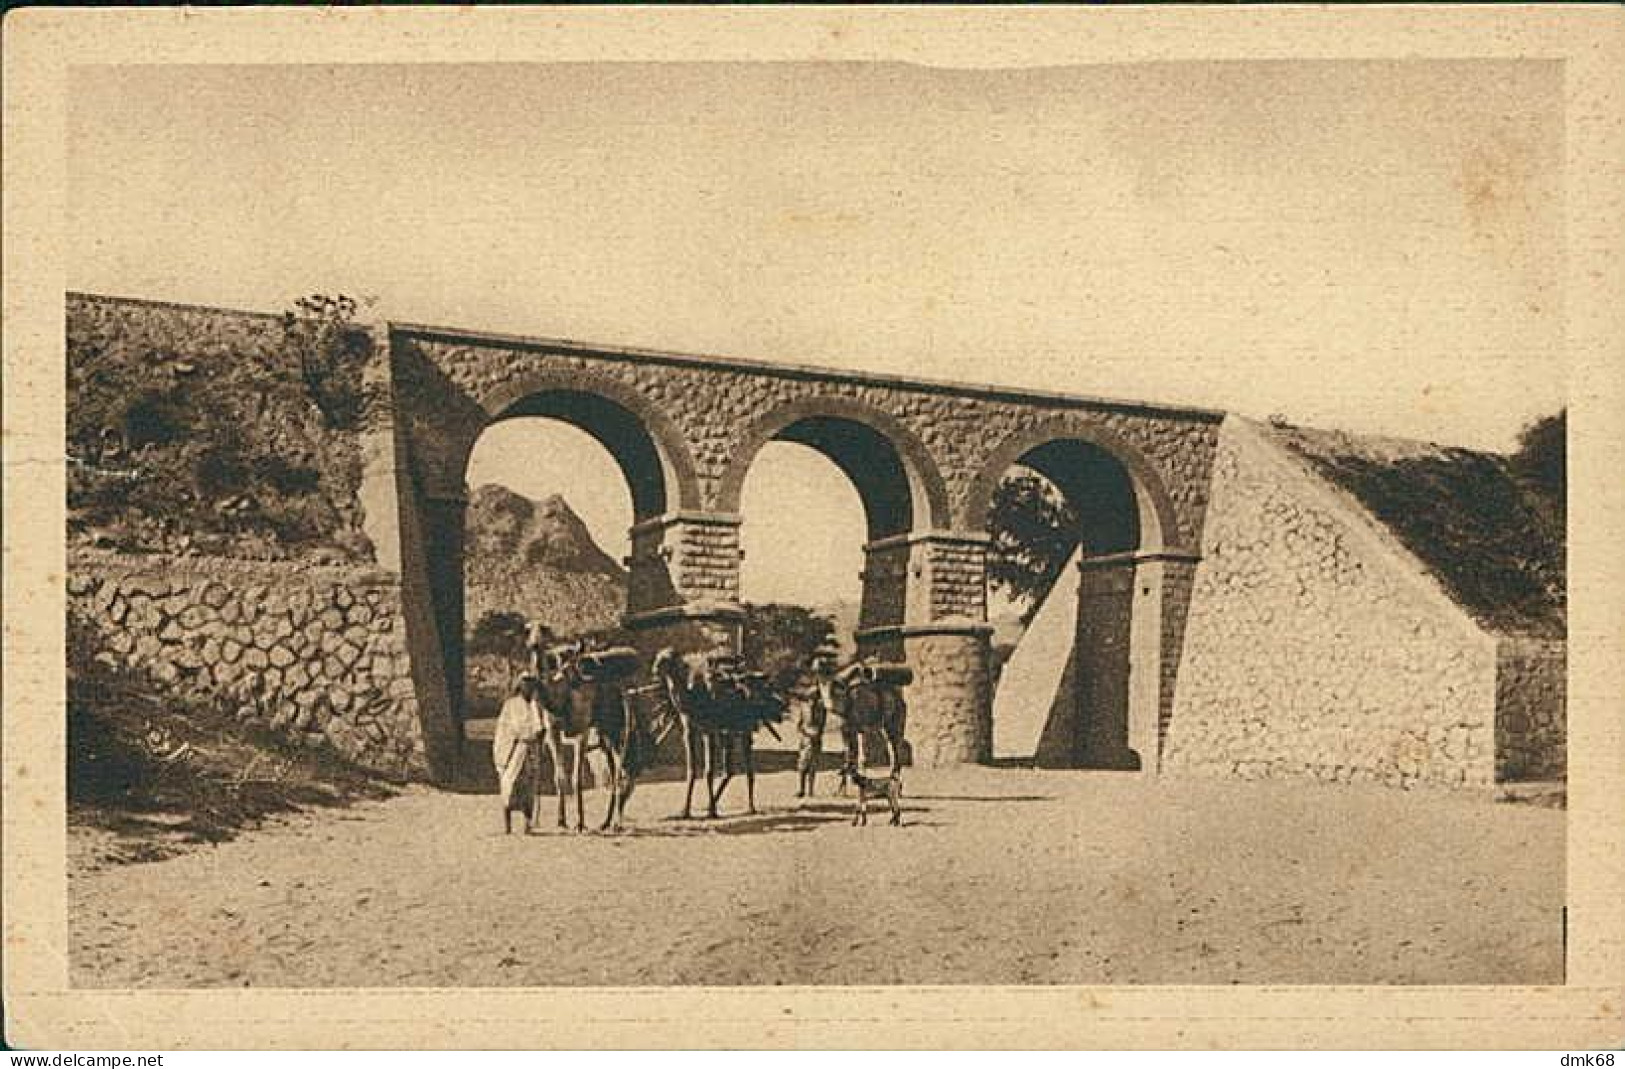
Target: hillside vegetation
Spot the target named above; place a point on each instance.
(1489, 527)
(194, 430)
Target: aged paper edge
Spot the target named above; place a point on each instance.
(41, 1011)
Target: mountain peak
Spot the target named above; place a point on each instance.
(537, 558)
(506, 528)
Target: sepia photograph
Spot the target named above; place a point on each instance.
(824, 523)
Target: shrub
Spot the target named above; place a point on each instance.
(1035, 531)
(153, 417)
(220, 470)
(217, 435)
(780, 639)
(320, 333)
(498, 633)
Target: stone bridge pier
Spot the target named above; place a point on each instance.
(684, 592)
(924, 457)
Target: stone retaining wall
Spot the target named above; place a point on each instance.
(1315, 647)
(316, 652)
(1531, 729)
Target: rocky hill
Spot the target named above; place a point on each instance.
(538, 559)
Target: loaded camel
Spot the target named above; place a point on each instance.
(719, 706)
(585, 706)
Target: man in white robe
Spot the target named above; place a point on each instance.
(515, 751)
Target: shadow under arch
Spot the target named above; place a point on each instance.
(1086, 692)
(896, 477)
(652, 454)
(1156, 519)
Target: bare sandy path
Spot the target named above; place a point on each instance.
(999, 876)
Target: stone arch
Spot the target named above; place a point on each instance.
(873, 448)
(652, 454)
(1156, 519)
(1099, 706)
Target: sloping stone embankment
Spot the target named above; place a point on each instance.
(1531, 688)
(1316, 647)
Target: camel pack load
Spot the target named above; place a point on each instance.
(741, 699)
(612, 664)
(585, 701)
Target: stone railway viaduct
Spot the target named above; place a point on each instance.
(1236, 612)
(923, 456)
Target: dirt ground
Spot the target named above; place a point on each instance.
(998, 876)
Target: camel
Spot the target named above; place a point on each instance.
(756, 705)
(585, 706)
(872, 696)
(719, 707)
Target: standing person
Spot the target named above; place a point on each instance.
(813, 718)
(516, 754)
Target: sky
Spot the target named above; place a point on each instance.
(804, 524)
(1373, 246)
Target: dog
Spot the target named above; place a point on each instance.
(890, 788)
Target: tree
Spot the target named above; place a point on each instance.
(1035, 532)
(780, 639)
(1542, 456)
